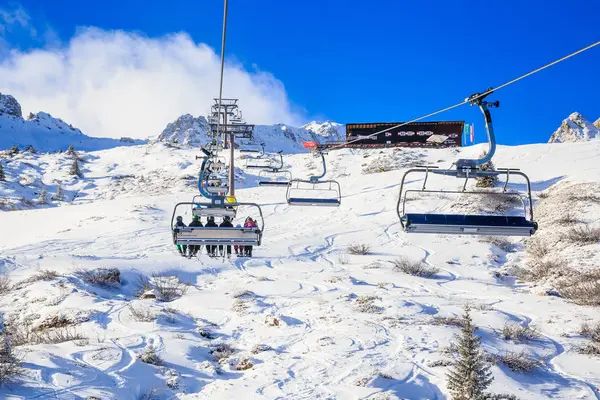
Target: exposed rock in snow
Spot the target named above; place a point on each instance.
(186, 130)
(10, 106)
(597, 123)
(576, 128)
(44, 132)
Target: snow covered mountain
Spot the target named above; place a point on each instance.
(189, 130)
(576, 128)
(44, 132)
(329, 130)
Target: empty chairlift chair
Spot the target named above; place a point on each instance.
(498, 224)
(202, 236)
(252, 148)
(314, 191)
(275, 175)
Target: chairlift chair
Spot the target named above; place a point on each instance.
(201, 236)
(275, 175)
(301, 192)
(253, 148)
(460, 224)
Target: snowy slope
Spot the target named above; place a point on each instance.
(44, 132)
(575, 128)
(190, 130)
(331, 324)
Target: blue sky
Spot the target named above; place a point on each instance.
(379, 60)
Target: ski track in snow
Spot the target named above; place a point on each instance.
(302, 299)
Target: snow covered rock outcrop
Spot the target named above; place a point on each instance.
(186, 130)
(195, 131)
(10, 106)
(330, 131)
(44, 132)
(597, 123)
(576, 128)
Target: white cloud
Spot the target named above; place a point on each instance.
(115, 83)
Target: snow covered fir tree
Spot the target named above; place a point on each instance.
(471, 375)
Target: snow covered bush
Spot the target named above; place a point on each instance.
(359, 249)
(107, 277)
(168, 288)
(521, 361)
(519, 333)
(471, 374)
(58, 196)
(591, 332)
(43, 196)
(222, 352)
(142, 314)
(149, 356)
(415, 268)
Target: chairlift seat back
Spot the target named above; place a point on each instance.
(299, 201)
(197, 236)
(489, 225)
(214, 212)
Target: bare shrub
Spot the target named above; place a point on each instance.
(590, 349)
(222, 352)
(567, 219)
(486, 181)
(21, 335)
(5, 284)
(537, 249)
(440, 363)
(519, 333)
(343, 259)
(359, 249)
(538, 270)
(583, 235)
(584, 292)
(365, 304)
(142, 314)
(42, 275)
(105, 277)
(151, 394)
(149, 356)
(543, 195)
(168, 288)
(142, 285)
(448, 321)
(244, 364)
(521, 362)
(415, 268)
(10, 365)
(591, 332)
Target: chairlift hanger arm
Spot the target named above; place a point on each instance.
(316, 178)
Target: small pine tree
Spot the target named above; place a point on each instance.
(487, 181)
(2, 176)
(43, 196)
(30, 116)
(471, 375)
(10, 365)
(70, 150)
(74, 170)
(59, 196)
(30, 149)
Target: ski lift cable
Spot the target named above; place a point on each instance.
(223, 37)
(473, 98)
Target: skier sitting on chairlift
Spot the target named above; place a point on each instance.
(193, 250)
(225, 224)
(211, 250)
(179, 224)
(247, 250)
